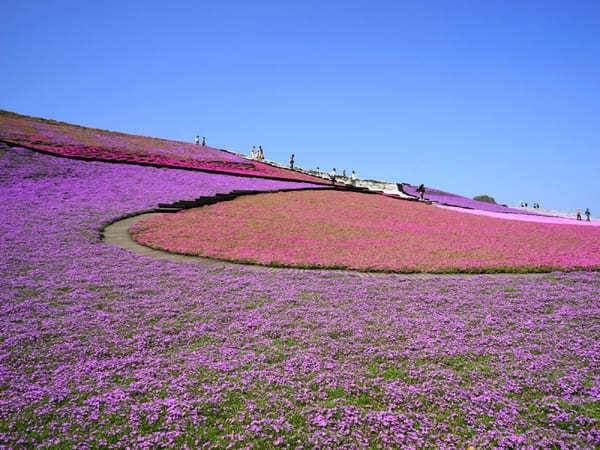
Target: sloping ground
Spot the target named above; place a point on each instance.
(446, 198)
(337, 229)
(556, 213)
(80, 142)
(100, 347)
(556, 217)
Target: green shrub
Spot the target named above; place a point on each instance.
(484, 198)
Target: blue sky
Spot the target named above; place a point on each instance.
(473, 97)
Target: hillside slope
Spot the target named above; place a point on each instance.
(64, 139)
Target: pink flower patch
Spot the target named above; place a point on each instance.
(368, 232)
(64, 139)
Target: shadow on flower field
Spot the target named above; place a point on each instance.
(100, 347)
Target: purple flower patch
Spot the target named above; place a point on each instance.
(100, 347)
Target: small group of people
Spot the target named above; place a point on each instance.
(257, 153)
(587, 214)
(197, 140)
(333, 175)
(523, 204)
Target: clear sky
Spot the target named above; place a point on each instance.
(474, 97)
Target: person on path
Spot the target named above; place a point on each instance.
(587, 214)
(333, 175)
(197, 140)
(578, 214)
(421, 191)
(292, 161)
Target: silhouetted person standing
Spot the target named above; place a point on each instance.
(587, 214)
(421, 191)
(203, 141)
(197, 140)
(292, 161)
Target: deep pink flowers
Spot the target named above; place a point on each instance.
(368, 232)
(87, 143)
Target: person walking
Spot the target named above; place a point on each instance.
(353, 177)
(587, 214)
(578, 214)
(292, 161)
(203, 141)
(253, 152)
(421, 191)
(261, 155)
(333, 175)
(197, 141)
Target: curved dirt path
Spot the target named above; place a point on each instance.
(117, 234)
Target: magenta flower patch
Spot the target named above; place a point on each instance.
(446, 198)
(79, 142)
(368, 232)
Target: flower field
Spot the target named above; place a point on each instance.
(74, 141)
(449, 199)
(525, 216)
(368, 232)
(100, 347)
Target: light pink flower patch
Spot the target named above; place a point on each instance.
(524, 217)
(368, 232)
